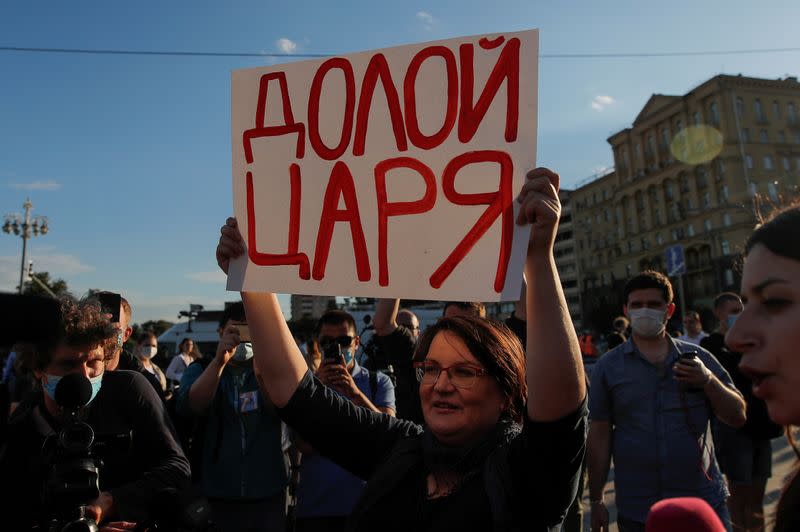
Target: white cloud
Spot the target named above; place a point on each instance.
(600, 102)
(286, 46)
(427, 19)
(60, 266)
(215, 276)
(48, 185)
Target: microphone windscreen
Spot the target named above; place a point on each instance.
(684, 514)
(73, 391)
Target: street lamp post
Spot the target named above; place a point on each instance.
(26, 227)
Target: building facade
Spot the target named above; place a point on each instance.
(310, 306)
(693, 170)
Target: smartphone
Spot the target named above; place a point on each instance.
(333, 352)
(110, 303)
(690, 355)
(244, 331)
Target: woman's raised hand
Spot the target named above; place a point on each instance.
(231, 244)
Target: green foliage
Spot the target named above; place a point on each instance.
(57, 286)
(156, 327)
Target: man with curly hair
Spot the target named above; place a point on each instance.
(122, 406)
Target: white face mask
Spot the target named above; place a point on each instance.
(647, 322)
(147, 351)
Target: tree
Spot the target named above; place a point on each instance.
(156, 327)
(57, 286)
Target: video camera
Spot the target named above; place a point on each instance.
(74, 478)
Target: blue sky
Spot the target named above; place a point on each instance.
(129, 156)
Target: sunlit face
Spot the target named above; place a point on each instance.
(188, 345)
(767, 332)
(459, 416)
(87, 361)
(693, 326)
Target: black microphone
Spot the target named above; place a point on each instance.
(73, 391)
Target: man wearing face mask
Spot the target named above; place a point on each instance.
(651, 401)
(240, 464)
(122, 408)
(326, 493)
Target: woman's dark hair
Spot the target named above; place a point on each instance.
(495, 346)
(84, 325)
(147, 335)
(778, 233)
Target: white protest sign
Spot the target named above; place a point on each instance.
(390, 173)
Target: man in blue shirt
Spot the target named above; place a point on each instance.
(242, 469)
(326, 493)
(650, 402)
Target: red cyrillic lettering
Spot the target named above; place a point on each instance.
(292, 256)
(500, 203)
(409, 94)
(507, 67)
(378, 67)
(341, 184)
(399, 208)
(261, 130)
(330, 154)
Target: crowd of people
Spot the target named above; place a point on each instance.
(470, 424)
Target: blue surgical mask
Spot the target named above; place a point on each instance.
(244, 352)
(53, 380)
(731, 320)
(348, 356)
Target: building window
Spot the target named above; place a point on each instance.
(749, 161)
(725, 193)
(708, 225)
(726, 247)
(726, 220)
(728, 277)
(762, 136)
(759, 111)
(666, 140)
(668, 192)
(768, 162)
(786, 165)
(791, 112)
(776, 109)
(772, 188)
(606, 215)
(781, 137)
(690, 230)
(714, 114)
(745, 135)
(679, 125)
(706, 199)
(696, 118)
(740, 107)
(659, 239)
(637, 149)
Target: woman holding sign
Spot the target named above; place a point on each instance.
(504, 432)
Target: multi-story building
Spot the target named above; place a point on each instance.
(310, 306)
(692, 170)
(567, 259)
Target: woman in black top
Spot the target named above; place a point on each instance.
(504, 432)
(767, 333)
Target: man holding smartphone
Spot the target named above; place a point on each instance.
(236, 452)
(650, 401)
(326, 493)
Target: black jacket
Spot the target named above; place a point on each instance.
(528, 483)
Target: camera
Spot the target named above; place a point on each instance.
(74, 478)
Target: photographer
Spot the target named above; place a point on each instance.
(144, 458)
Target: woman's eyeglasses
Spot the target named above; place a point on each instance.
(460, 375)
